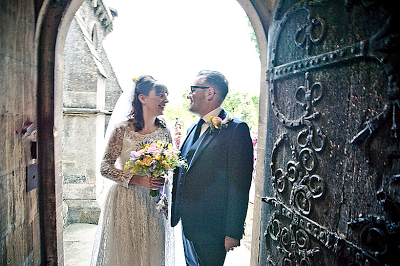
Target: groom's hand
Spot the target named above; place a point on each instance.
(230, 243)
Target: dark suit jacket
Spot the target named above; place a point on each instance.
(211, 195)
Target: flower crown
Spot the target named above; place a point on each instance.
(216, 123)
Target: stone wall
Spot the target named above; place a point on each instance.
(90, 91)
(19, 212)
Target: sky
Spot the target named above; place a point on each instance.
(173, 40)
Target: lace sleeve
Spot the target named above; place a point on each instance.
(112, 152)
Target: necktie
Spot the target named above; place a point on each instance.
(198, 130)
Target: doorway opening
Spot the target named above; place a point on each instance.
(165, 77)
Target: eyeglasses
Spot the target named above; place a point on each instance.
(193, 88)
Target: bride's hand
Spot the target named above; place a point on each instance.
(157, 182)
(149, 182)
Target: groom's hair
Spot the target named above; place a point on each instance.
(216, 80)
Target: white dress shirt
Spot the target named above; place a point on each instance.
(206, 118)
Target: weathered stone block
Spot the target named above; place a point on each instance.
(10, 249)
(79, 99)
(74, 179)
(5, 205)
(35, 240)
(19, 203)
(83, 211)
(79, 191)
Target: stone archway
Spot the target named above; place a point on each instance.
(53, 22)
(260, 22)
(54, 19)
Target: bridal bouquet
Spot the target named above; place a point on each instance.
(155, 159)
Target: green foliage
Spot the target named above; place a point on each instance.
(181, 111)
(243, 106)
(238, 104)
(253, 37)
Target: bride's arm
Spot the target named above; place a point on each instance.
(124, 178)
(112, 152)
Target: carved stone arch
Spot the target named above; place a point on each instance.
(53, 20)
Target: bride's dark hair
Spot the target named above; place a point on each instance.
(144, 84)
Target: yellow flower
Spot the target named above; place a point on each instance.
(166, 166)
(214, 121)
(147, 160)
(158, 157)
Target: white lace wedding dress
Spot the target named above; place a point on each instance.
(131, 231)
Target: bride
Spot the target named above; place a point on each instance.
(131, 231)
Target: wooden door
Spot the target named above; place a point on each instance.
(333, 159)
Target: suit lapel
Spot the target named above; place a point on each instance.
(205, 139)
(189, 137)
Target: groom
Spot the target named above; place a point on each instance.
(210, 197)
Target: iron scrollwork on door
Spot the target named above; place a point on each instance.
(311, 33)
(300, 174)
(299, 182)
(293, 234)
